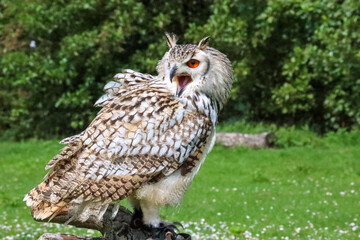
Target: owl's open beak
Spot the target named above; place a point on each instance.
(182, 81)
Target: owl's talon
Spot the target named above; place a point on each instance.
(168, 231)
(183, 236)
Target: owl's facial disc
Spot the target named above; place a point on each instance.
(182, 81)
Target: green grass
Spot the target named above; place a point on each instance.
(309, 191)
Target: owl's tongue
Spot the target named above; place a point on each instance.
(183, 80)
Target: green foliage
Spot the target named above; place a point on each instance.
(292, 136)
(295, 62)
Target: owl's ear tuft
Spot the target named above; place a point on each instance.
(203, 43)
(171, 40)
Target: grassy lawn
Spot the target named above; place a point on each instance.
(309, 191)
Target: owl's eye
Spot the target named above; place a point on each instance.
(193, 63)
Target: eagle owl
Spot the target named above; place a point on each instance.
(146, 143)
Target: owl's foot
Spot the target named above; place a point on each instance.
(168, 231)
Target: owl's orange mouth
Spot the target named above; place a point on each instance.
(182, 81)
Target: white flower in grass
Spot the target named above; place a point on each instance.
(247, 234)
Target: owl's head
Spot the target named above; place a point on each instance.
(191, 70)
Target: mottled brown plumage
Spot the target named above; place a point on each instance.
(146, 143)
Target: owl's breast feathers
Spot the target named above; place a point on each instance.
(142, 134)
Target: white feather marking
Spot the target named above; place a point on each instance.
(123, 151)
(150, 134)
(169, 141)
(163, 150)
(145, 149)
(188, 151)
(164, 126)
(137, 118)
(180, 116)
(177, 136)
(154, 150)
(119, 76)
(111, 84)
(99, 177)
(177, 144)
(87, 141)
(150, 110)
(120, 172)
(172, 122)
(129, 71)
(136, 150)
(136, 139)
(99, 139)
(150, 125)
(133, 112)
(182, 153)
(170, 153)
(102, 99)
(112, 145)
(122, 131)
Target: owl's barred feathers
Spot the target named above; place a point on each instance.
(143, 138)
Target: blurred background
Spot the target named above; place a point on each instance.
(297, 74)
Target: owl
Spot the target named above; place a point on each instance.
(147, 142)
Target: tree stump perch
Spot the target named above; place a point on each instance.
(117, 228)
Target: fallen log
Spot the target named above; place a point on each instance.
(260, 140)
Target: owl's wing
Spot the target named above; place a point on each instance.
(141, 134)
(123, 82)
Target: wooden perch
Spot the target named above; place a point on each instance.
(117, 228)
(261, 140)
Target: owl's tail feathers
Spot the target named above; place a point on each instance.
(41, 206)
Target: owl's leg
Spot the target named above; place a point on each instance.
(151, 216)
